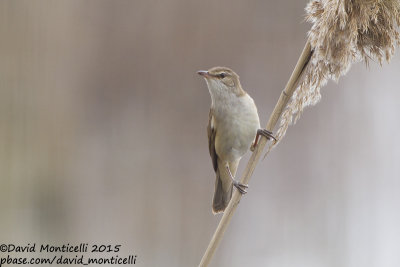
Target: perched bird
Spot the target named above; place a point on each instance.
(232, 127)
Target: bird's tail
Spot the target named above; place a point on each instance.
(222, 195)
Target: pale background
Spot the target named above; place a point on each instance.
(103, 136)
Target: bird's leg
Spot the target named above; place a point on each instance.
(262, 132)
(239, 186)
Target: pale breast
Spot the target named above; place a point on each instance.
(236, 129)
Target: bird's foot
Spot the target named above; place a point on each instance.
(240, 187)
(252, 147)
(264, 132)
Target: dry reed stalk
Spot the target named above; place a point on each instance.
(343, 32)
(255, 157)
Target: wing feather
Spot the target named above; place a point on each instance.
(211, 140)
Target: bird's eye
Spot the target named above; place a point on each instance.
(222, 75)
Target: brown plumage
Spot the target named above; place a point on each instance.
(232, 127)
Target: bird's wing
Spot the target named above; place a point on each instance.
(211, 140)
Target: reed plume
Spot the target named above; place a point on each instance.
(343, 32)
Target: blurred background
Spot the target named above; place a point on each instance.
(103, 136)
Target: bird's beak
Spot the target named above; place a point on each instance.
(203, 73)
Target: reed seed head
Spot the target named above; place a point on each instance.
(343, 32)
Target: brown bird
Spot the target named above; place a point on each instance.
(233, 126)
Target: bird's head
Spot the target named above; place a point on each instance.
(222, 80)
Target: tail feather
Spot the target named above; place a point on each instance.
(222, 196)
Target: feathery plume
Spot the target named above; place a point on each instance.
(343, 32)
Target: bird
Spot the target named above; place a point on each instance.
(233, 128)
